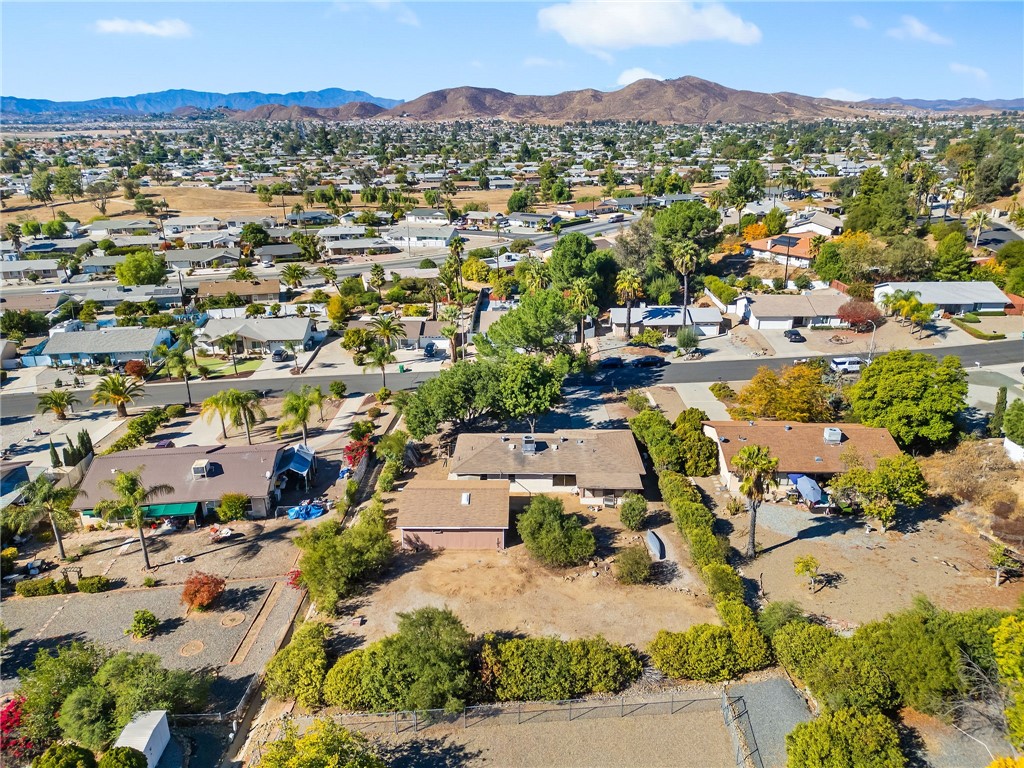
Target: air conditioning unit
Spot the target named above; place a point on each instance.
(201, 469)
(833, 436)
(529, 444)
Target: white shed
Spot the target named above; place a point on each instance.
(147, 732)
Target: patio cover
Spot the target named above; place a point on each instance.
(172, 510)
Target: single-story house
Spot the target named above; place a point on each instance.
(281, 234)
(466, 514)
(310, 217)
(47, 303)
(238, 221)
(248, 291)
(179, 225)
(40, 248)
(532, 220)
(109, 228)
(761, 208)
(706, 321)
(329, 234)
(359, 245)
(665, 201)
(402, 272)
(114, 345)
(258, 334)
(165, 296)
(782, 249)
(20, 270)
(816, 223)
(427, 216)
(954, 297)
(138, 241)
(202, 258)
(635, 203)
(198, 475)
(220, 238)
(270, 254)
(403, 235)
(419, 331)
(816, 450)
(100, 263)
(482, 218)
(590, 463)
(766, 312)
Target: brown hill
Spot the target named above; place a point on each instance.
(354, 110)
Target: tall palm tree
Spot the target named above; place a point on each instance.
(162, 351)
(316, 397)
(716, 199)
(948, 195)
(978, 221)
(533, 273)
(895, 300)
(187, 338)
(756, 469)
(451, 332)
(215, 404)
(118, 390)
(293, 275)
(242, 273)
(329, 275)
(228, 342)
(814, 246)
(177, 362)
(243, 409)
(380, 357)
(433, 290)
(582, 299)
(296, 411)
(57, 401)
(42, 500)
(629, 286)
(293, 351)
(685, 256)
(387, 329)
(130, 502)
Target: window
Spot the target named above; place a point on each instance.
(563, 481)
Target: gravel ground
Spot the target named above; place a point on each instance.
(774, 708)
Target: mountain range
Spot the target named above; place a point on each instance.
(683, 100)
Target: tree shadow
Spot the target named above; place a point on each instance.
(824, 527)
(425, 752)
(22, 653)
(912, 746)
(167, 626)
(664, 572)
(239, 599)
(831, 580)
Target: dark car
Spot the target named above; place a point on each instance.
(795, 337)
(649, 361)
(165, 444)
(279, 356)
(430, 349)
(610, 362)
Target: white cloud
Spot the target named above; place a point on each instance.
(977, 73)
(403, 14)
(637, 73)
(860, 22)
(912, 28)
(162, 28)
(620, 24)
(844, 94)
(540, 62)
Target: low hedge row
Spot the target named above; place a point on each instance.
(44, 586)
(975, 332)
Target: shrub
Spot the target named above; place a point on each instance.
(65, 756)
(724, 293)
(799, 646)
(232, 507)
(36, 587)
(123, 757)
(297, 671)
(136, 368)
(373, 412)
(677, 489)
(649, 337)
(687, 338)
(703, 652)
(149, 581)
(705, 548)
(383, 395)
(8, 557)
(723, 581)
(87, 716)
(633, 565)
(975, 332)
(723, 391)
(751, 647)
(201, 590)
(553, 537)
(970, 317)
(690, 515)
(144, 624)
(93, 584)
(637, 401)
(175, 411)
(633, 512)
(774, 616)
(324, 743)
(845, 737)
(843, 679)
(546, 668)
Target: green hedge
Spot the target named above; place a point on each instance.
(975, 332)
(990, 313)
(92, 584)
(970, 317)
(42, 587)
(724, 293)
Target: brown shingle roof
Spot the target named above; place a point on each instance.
(591, 453)
(824, 303)
(239, 287)
(438, 504)
(236, 469)
(801, 447)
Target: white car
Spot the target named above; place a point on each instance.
(847, 364)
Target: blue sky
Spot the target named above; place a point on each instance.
(403, 49)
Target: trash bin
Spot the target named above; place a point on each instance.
(401, 368)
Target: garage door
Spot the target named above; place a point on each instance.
(448, 539)
(770, 325)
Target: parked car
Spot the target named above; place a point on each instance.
(610, 362)
(847, 364)
(164, 444)
(279, 356)
(649, 361)
(430, 349)
(795, 337)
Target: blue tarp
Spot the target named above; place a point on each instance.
(306, 511)
(296, 460)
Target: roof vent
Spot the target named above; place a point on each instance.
(579, 441)
(511, 446)
(563, 439)
(833, 435)
(818, 458)
(504, 438)
(788, 428)
(465, 499)
(529, 444)
(200, 469)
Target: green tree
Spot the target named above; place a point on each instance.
(179, 364)
(541, 323)
(379, 357)
(243, 409)
(1013, 422)
(895, 481)
(325, 745)
(995, 424)
(746, 184)
(913, 395)
(254, 236)
(242, 273)
(552, 536)
(567, 259)
(297, 671)
(529, 388)
(54, 229)
(141, 268)
(123, 757)
(130, 501)
(690, 220)
(952, 260)
(756, 468)
(387, 330)
(58, 402)
(87, 716)
(215, 404)
(65, 756)
(67, 182)
(296, 411)
(293, 274)
(845, 738)
(629, 287)
(434, 648)
(774, 222)
(117, 390)
(42, 500)
(633, 511)
(461, 395)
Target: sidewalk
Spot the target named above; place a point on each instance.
(698, 395)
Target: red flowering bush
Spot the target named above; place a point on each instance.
(13, 745)
(356, 450)
(295, 578)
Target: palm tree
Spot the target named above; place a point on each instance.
(162, 350)
(42, 500)
(118, 390)
(978, 221)
(814, 246)
(756, 468)
(451, 332)
(228, 342)
(716, 199)
(582, 299)
(920, 315)
(895, 300)
(433, 290)
(533, 273)
(629, 287)
(187, 337)
(387, 329)
(948, 195)
(293, 275)
(379, 357)
(242, 273)
(685, 256)
(177, 361)
(296, 411)
(57, 401)
(329, 275)
(377, 278)
(316, 397)
(243, 409)
(130, 503)
(215, 404)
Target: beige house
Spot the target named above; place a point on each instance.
(466, 514)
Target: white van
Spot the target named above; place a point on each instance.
(847, 364)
